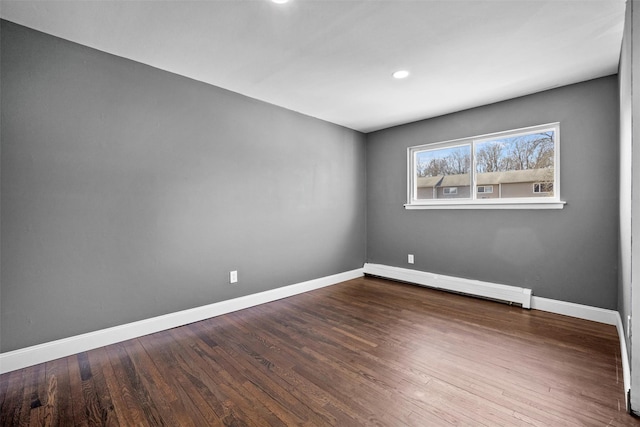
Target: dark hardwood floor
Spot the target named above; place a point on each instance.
(363, 352)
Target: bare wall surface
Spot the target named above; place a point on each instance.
(129, 192)
(629, 257)
(569, 254)
(626, 167)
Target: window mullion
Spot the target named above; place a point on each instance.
(474, 184)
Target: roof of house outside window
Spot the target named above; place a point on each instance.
(455, 180)
(429, 181)
(488, 178)
(510, 177)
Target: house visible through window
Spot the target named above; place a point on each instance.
(513, 167)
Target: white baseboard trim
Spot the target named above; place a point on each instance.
(626, 371)
(29, 356)
(586, 312)
(456, 284)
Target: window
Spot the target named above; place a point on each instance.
(512, 169)
(543, 187)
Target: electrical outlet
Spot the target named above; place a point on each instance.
(410, 259)
(233, 276)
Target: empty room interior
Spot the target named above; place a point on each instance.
(306, 212)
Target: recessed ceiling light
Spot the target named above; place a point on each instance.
(401, 74)
(280, 1)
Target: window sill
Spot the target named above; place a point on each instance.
(546, 204)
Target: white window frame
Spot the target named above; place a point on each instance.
(473, 202)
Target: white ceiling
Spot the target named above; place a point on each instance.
(333, 59)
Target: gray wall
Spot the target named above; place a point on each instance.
(624, 84)
(569, 254)
(629, 291)
(129, 192)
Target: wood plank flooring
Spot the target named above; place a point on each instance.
(363, 352)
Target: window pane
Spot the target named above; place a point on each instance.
(443, 173)
(516, 164)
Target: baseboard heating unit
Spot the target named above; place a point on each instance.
(494, 291)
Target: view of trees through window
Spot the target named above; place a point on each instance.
(523, 152)
(444, 161)
(513, 165)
